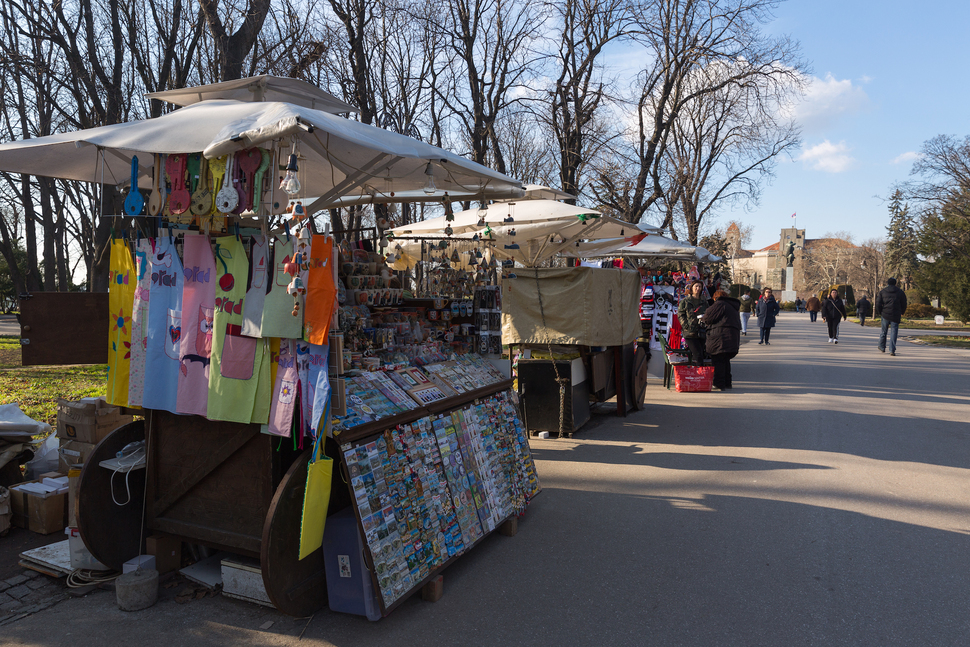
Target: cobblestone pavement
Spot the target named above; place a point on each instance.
(29, 592)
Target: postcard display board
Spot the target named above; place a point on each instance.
(434, 479)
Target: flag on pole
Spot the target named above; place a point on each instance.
(793, 215)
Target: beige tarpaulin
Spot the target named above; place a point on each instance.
(583, 306)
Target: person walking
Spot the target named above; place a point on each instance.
(833, 312)
(723, 322)
(863, 308)
(690, 311)
(798, 304)
(746, 309)
(813, 305)
(766, 310)
(890, 306)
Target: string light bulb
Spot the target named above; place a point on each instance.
(429, 187)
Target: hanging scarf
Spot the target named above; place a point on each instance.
(164, 328)
(139, 323)
(121, 296)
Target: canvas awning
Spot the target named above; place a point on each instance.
(339, 156)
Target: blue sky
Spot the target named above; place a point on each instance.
(887, 76)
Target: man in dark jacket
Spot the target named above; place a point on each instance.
(890, 305)
(863, 308)
(723, 323)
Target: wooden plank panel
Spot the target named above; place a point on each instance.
(197, 485)
(64, 328)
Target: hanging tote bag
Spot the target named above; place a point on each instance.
(316, 499)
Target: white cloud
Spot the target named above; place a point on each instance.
(828, 157)
(827, 100)
(908, 156)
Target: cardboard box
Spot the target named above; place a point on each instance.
(37, 513)
(88, 420)
(73, 452)
(336, 362)
(167, 552)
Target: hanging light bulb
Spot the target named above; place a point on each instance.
(429, 188)
(291, 183)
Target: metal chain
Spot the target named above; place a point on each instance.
(561, 381)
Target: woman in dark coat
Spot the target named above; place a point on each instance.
(723, 321)
(833, 312)
(766, 310)
(690, 311)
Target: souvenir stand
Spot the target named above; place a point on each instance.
(659, 294)
(586, 313)
(241, 346)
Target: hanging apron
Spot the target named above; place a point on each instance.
(198, 303)
(139, 323)
(236, 364)
(256, 296)
(278, 320)
(164, 328)
(321, 291)
(284, 391)
(121, 296)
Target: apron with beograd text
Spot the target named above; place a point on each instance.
(164, 327)
(198, 304)
(121, 296)
(235, 364)
(139, 322)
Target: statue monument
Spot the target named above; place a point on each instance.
(788, 294)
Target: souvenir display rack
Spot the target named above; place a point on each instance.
(426, 486)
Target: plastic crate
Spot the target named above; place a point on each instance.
(693, 378)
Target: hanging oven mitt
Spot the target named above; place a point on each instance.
(316, 499)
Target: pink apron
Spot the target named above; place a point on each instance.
(198, 303)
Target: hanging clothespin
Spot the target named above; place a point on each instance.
(113, 236)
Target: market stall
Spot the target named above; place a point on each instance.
(255, 355)
(586, 323)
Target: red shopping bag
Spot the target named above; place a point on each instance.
(693, 378)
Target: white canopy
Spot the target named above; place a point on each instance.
(258, 88)
(527, 211)
(340, 156)
(649, 247)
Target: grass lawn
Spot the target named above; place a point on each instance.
(37, 388)
(920, 324)
(947, 341)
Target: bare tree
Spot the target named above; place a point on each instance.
(869, 266)
(232, 48)
(580, 91)
(684, 39)
(829, 261)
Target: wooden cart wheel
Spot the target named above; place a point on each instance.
(639, 378)
(296, 587)
(112, 532)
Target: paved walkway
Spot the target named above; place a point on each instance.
(9, 325)
(825, 500)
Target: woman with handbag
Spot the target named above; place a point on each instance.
(833, 312)
(690, 312)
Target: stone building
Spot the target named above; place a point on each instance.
(761, 268)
